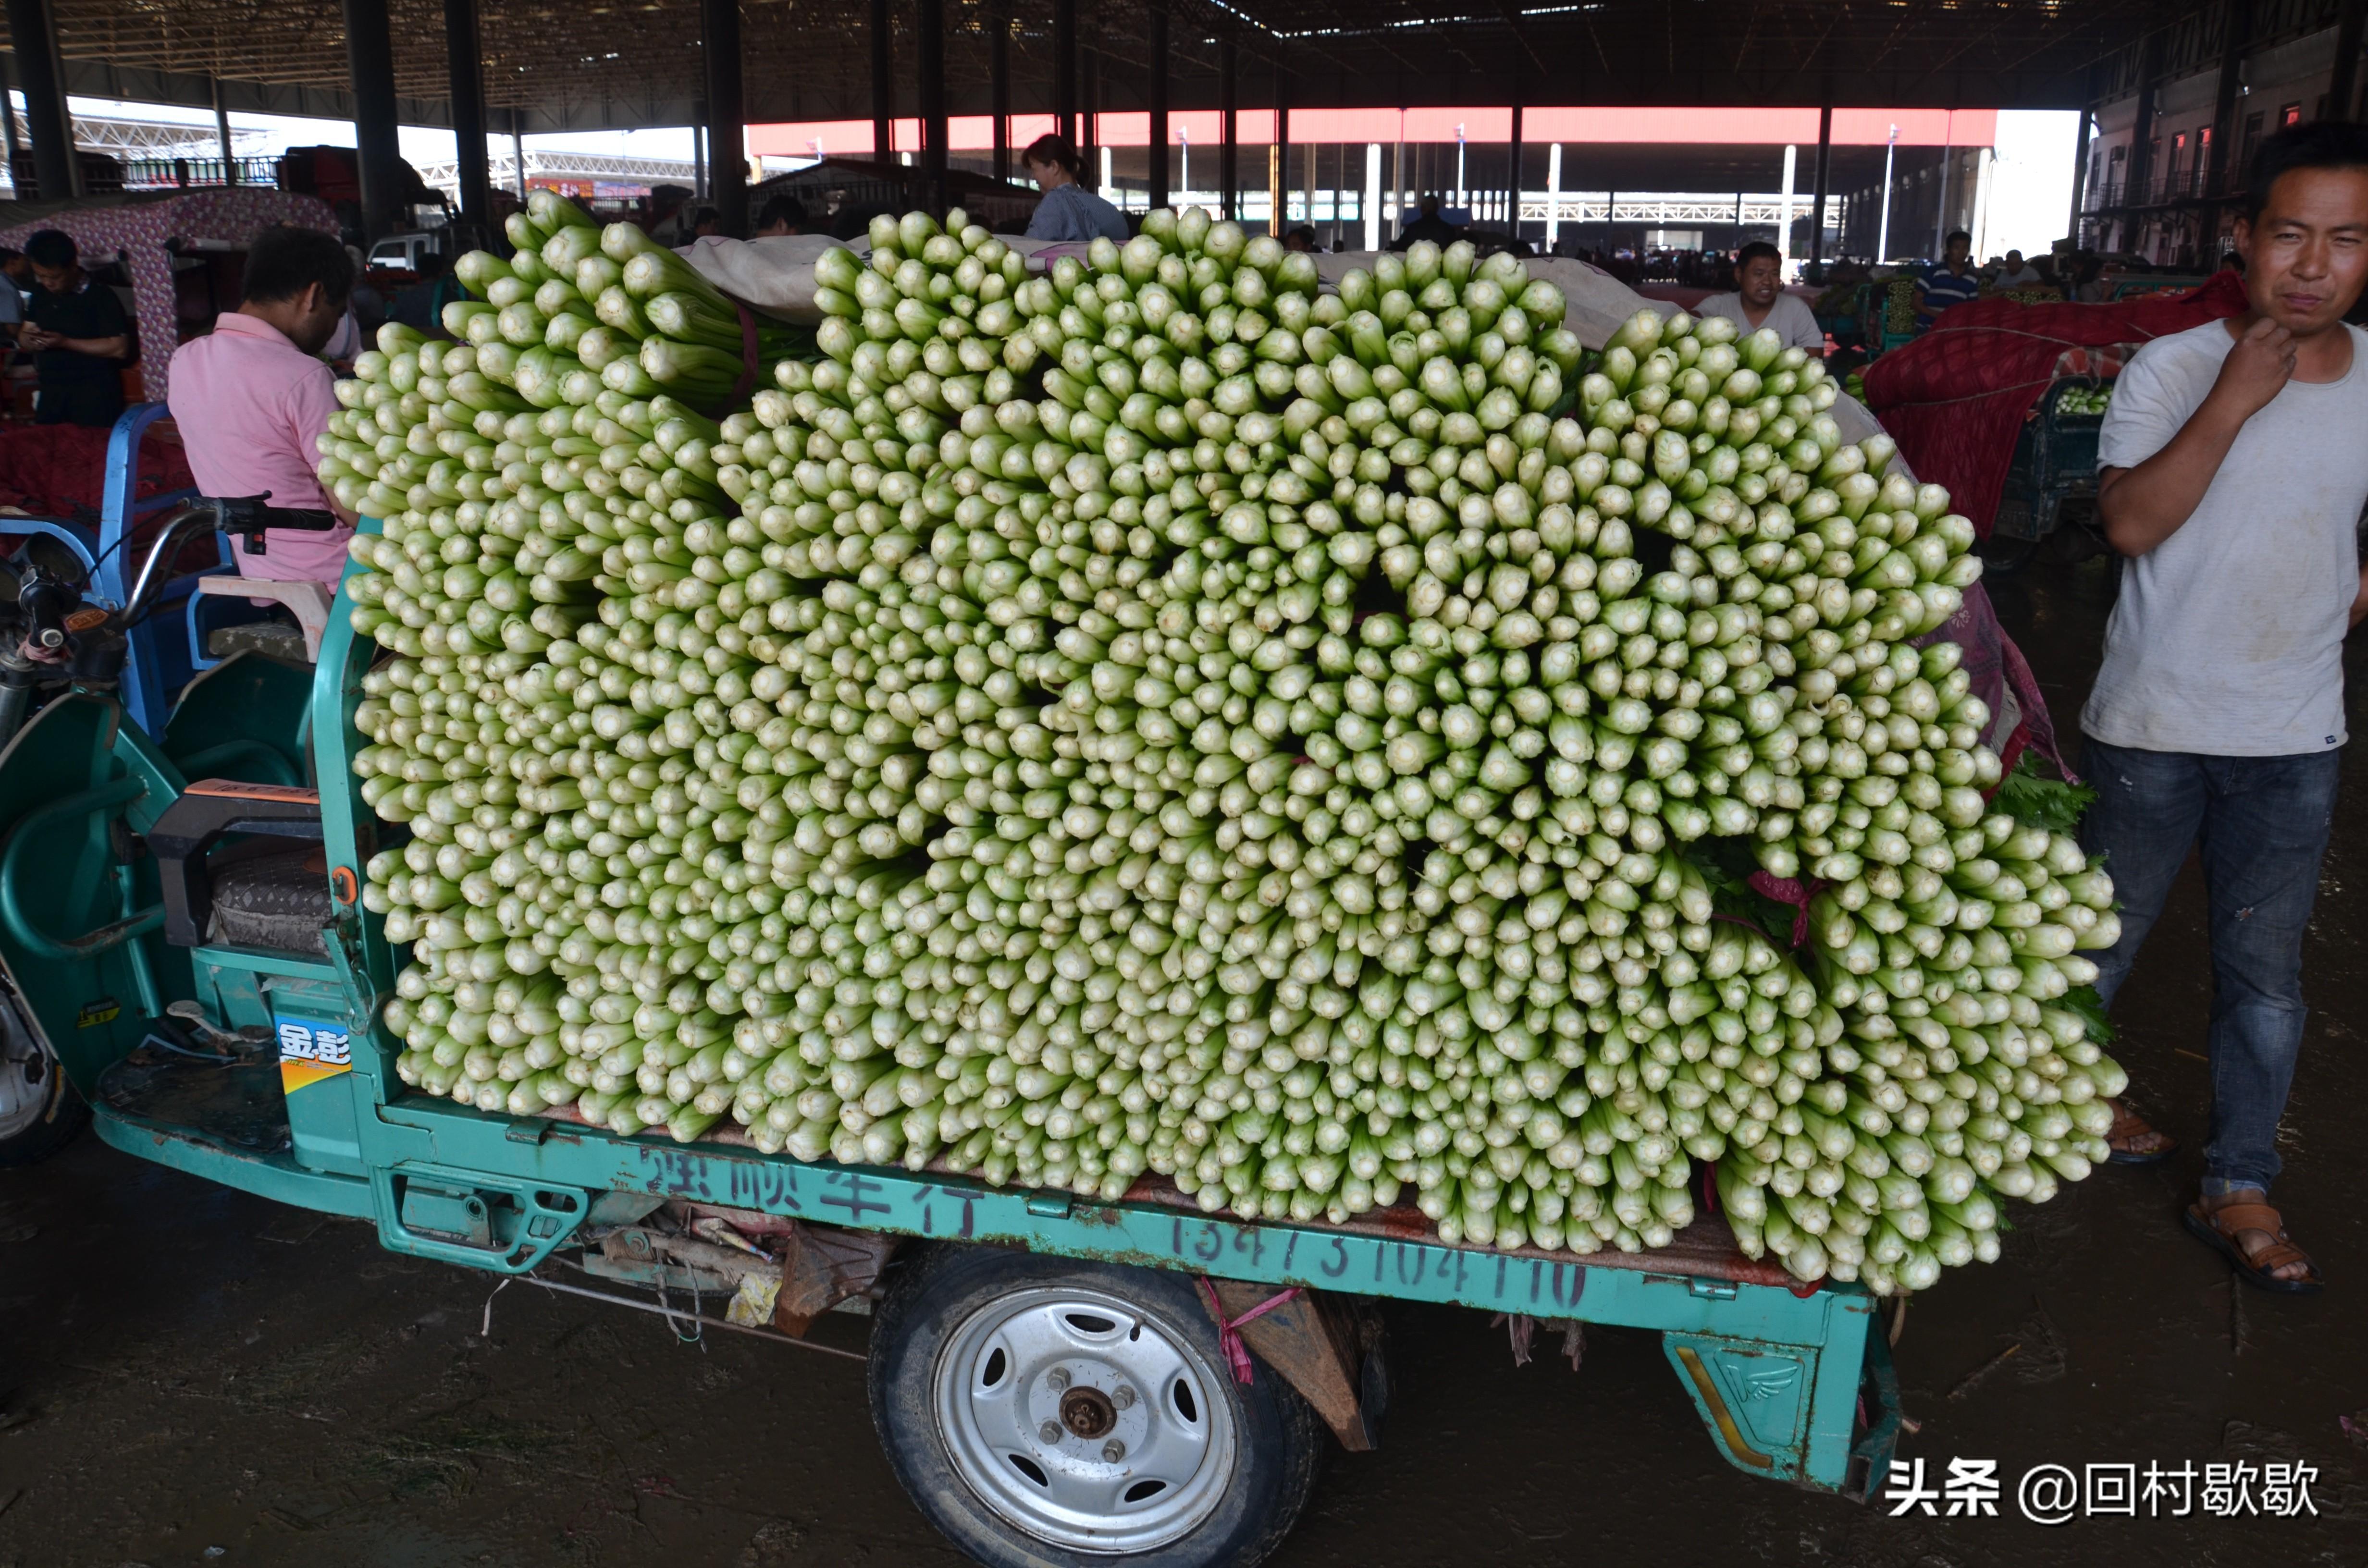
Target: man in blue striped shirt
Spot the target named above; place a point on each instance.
(1950, 281)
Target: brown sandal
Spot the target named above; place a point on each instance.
(2220, 1228)
(2129, 1126)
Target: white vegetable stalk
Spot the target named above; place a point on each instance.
(1157, 716)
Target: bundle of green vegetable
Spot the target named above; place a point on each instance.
(2090, 400)
(1328, 748)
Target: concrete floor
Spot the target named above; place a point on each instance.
(205, 1378)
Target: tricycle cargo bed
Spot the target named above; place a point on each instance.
(1792, 1380)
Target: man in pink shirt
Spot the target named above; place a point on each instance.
(252, 399)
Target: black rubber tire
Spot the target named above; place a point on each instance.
(63, 1116)
(1281, 1445)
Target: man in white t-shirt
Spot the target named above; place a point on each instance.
(2233, 474)
(1759, 301)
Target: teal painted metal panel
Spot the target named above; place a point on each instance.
(275, 1177)
(65, 882)
(950, 1209)
(277, 965)
(1754, 1395)
(348, 827)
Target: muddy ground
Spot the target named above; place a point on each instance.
(205, 1378)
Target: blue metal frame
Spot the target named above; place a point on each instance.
(158, 665)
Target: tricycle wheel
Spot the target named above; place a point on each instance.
(39, 1111)
(1052, 1413)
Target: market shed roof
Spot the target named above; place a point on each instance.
(581, 64)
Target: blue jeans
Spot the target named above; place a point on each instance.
(2261, 825)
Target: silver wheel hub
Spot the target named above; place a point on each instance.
(1084, 1422)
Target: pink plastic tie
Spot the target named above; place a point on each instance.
(1229, 1338)
(1795, 891)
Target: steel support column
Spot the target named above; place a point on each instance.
(998, 85)
(1825, 173)
(33, 35)
(465, 68)
(2079, 174)
(1065, 68)
(1278, 159)
(2142, 131)
(726, 119)
(8, 125)
(1513, 181)
(222, 130)
(930, 69)
(884, 86)
(1089, 104)
(1229, 168)
(1155, 95)
(370, 61)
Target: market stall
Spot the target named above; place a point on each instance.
(1961, 397)
(157, 238)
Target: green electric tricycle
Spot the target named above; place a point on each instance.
(1056, 1380)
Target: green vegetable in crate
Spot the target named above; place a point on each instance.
(2084, 399)
(1155, 715)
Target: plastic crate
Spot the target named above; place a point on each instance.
(2055, 464)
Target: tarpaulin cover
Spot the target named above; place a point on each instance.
(59, 471)
(1956, 398)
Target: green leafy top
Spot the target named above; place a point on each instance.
(2035, 797)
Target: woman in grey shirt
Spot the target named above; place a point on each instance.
(1068, 211)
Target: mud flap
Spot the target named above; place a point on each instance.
(1754, 1397)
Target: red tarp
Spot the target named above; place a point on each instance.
(1955, 398)
(59, 471)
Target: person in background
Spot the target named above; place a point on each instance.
(2231, 476)
(421, 306)
(1759, 301)
(1951, 280)
(780, 215)
(1067, 211)
(1303, 238)
(705, 221)
(368, 305)
(2087, 278)
(11, 301)
(1428, 226)
(667, 204)
(253, 397)
(79, 335)
(2018, 273)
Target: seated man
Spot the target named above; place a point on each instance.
(1759, 301)
(253, 398)
(78, 334)
(1951, 280)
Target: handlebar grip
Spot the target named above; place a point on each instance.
(296, 518)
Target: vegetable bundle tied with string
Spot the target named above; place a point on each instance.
(1330, 749)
